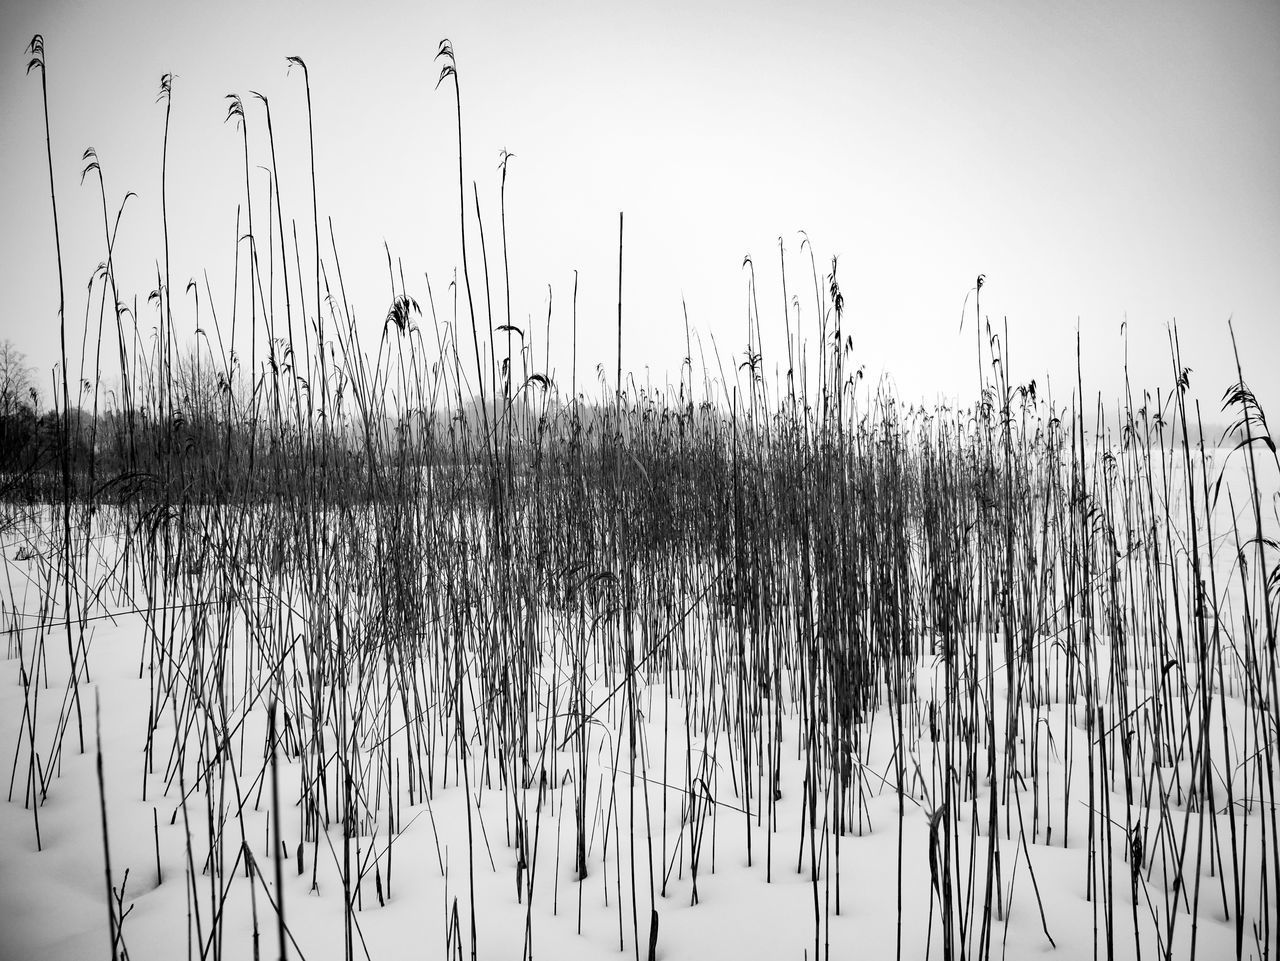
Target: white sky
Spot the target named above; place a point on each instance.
(1095, 160)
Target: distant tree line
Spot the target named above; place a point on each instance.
(28, 437)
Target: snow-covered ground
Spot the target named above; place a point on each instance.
(471, 852)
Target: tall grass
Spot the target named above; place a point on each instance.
(363, 576)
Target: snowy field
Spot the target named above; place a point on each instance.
(368, 734)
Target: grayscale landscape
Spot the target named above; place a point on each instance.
(373, 598)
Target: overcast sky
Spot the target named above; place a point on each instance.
(1096, 161)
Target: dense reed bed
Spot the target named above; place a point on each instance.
(420, 622)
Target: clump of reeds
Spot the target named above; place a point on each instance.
(368, 576)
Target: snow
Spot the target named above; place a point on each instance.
(52, 888)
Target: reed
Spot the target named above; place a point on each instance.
(698, 626)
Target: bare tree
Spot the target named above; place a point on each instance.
(16, 385)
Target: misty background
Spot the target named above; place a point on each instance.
(1106, 166)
